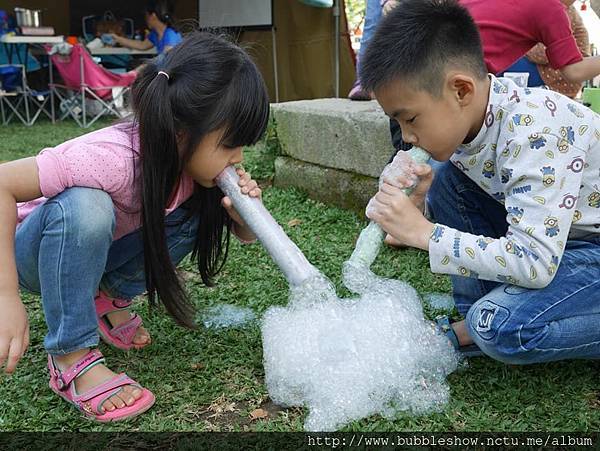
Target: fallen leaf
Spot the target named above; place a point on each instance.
(294, 222)
(258, 414)
(197, 366)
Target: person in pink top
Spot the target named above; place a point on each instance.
(509, 29)
(102, 218)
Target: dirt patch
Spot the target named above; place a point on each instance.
(226, 415)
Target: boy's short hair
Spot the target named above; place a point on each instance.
(418, 41)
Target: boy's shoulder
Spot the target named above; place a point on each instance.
(527, 111)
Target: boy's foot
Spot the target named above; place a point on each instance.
(458, 336)
(82, 379)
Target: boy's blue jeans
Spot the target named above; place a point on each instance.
(65, 252)
(510, 323)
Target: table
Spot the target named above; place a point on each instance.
(8, 41)
(121, 51)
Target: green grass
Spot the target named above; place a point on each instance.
(206, 380)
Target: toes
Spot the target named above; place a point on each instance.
(117, 401)
(135, 392)
(141, 337)
(108, 405)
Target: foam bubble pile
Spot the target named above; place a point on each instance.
(345, 359)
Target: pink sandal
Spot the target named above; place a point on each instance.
(90, 402)
(120, 336)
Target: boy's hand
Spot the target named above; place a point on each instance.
(14, 331)
(425, 177)
(249, 187)
(396, 213)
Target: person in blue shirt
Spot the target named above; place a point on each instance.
(163, 36)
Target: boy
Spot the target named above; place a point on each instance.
(517, 209)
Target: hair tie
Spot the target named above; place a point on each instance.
(163, 73)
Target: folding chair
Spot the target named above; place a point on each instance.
(17, 99)
(84, 79)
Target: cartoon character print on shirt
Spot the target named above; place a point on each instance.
(513, 248)
(437, 233)
(505, 175)
(465, 272)
(548, 176)
(516, 214)
(568, 201)
(577, 165)
(594, 198)
(522, 119)
(567, 138)
(576, 111)
(551, 224)
(507, 279)
(488, 170)
(536, 141)
(484, 242)
(577, 215)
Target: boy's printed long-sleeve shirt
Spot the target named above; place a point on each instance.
(537, 153)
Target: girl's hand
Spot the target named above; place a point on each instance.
(14, 331)
(395, 212)
(249, 187)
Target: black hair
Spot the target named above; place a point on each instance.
(418, 41)
(212, 84)
(163, 10)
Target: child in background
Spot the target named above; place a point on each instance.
(122, 207)
(516, 211)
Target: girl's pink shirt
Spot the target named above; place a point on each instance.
(107, 159)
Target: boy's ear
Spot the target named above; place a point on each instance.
(462, 87)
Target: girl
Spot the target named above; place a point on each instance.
(121, 207)
(163, 36)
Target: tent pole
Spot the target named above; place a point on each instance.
(337, 14)
(275, 73)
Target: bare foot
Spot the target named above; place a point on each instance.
(393, 242)
(141, 338)
(96, 376)
(460, 329)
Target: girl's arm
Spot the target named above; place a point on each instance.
(19, 182)
(133, 43)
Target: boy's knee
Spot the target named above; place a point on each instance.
(88, 211)
(501, 335)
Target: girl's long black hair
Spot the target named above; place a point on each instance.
(163, 10)
(212, 84)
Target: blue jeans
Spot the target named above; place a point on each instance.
(372, 16)
(65, 251)
(510, 323)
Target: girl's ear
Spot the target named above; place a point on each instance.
(182, 139)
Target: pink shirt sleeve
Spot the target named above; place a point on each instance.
(555, 33)
(84, 165)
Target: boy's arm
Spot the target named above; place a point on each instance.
(539, 196)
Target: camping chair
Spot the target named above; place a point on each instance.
(17, 99)
(84, 79)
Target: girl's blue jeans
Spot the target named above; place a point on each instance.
(65, 252)
(510, 323)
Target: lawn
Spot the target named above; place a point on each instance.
(207, 380)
